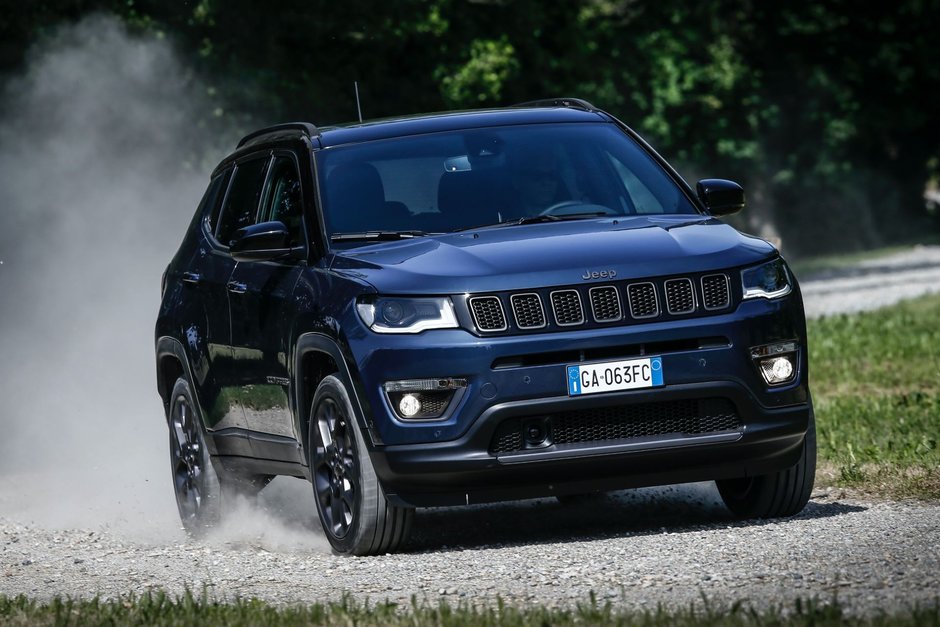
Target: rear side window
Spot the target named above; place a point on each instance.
(241, 203)
(212, 200)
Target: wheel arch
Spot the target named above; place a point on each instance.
(317, 356)
(171, 365)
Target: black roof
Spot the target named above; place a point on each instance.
(535, 112)
(455, 120)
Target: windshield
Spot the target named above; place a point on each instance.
(443, 182)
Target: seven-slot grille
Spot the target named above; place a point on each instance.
(603, 304)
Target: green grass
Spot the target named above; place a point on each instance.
(158, 609)
(876, 384)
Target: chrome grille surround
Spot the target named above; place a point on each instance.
(527, 310)
(488, 313)
(567, 308)
(716, 291)
(605, 304)
(644, 303)
(622, 302)
(680, 296)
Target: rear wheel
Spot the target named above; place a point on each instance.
(195, 483)
(199, 488)
(777, 494)
(356, 517)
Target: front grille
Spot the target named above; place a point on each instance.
(488, 313)
(605, 304)
(587, 305)
(716, 294)
(527, 308)
(680, 297)
(566, 305)
(627, 422)
(643, 303)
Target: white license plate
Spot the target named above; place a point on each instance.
(610, 376)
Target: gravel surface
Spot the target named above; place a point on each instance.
(635, 549)
(874, 283)
(98, 531)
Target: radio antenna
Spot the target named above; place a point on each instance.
(358, 108)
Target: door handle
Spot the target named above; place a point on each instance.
(237, 288)
(191, 277)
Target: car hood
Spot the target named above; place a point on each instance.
(550, 254)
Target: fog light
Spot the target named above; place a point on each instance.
(782, 369)
(409, 405)
(777, 370)
(424, 399)
(776, 362)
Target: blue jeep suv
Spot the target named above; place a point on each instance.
(475, 306)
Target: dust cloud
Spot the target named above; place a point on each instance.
(102, 163)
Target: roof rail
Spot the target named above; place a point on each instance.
(306, 128)
(573, 103)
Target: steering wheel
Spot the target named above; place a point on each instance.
(572, 207)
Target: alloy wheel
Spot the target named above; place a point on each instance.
(336, 472)
(187, 460)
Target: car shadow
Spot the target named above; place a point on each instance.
(641, 512)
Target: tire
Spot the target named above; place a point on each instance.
(356, 517)
(203, 492)
(195, 483)
(777, 494)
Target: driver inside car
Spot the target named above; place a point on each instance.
(536, 181)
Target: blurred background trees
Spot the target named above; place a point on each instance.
(826, 111)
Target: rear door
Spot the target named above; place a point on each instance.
(214, 267)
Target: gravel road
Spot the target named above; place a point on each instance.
(874, 283)
(119, 534)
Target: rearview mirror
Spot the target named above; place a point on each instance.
(257, 242)
(720, 197)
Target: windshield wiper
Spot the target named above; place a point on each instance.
(536, 220)
(377, 236)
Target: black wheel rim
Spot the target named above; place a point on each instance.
(187, 460)
(336, 473)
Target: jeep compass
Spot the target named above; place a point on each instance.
(475, 306)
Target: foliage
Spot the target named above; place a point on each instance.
(876, 385)
(157, 608)
(824, 110)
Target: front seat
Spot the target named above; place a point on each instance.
(356, 201)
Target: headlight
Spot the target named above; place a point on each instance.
(768, 280)
(407, 315)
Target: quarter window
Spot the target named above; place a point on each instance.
(212, 201)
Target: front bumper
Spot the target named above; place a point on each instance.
(453, 461)
(466, 471)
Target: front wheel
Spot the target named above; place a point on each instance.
(356, 517)
(777, 494)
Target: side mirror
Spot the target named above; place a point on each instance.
(258, 242)
(720, 197)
